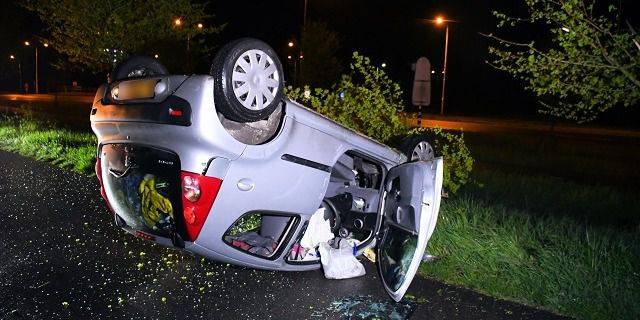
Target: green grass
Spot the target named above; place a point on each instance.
(47, 142)
(589, 160)
(543, 241)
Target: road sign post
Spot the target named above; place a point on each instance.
(421, 92)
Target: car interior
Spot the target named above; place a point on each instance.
(351, 204)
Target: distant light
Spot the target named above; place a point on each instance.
(384, 65)
(439, 20)
(301, 57)
(12, 57)
(26, 43)
(289, 57)
(290, 44)
(442, 72)
(200, 26)
(46, 45)
(156, 56)
(177, 22)
(433, 71)
(565, 29)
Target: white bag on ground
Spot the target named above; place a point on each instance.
(340, 263)
(318, 231)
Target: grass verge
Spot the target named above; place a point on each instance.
(522, 237)
(46, 142)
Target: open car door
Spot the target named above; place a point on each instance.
(410, 211)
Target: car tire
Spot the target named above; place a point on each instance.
(138, 67)
(238, 97)
(418, 148)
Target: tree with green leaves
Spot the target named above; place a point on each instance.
(93, 35)
(590, 64)
(365, 100)
(320, 65)
(368, 101)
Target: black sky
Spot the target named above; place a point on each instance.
(387, 31)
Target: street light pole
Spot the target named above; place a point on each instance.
(444, 69)
(20, 75)
(37, 88)
(304, 16)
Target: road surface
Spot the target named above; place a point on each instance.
(61, 257)
(73, 107)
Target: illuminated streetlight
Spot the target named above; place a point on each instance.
(289, 57)
(200, 26)
(46, 45)
(301, 57)
(177, 22)
(384, 65)
(439, 21)
(565, 29)
(13, 58)
(290, 44)
(156, 56)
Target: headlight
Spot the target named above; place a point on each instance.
(114, 92)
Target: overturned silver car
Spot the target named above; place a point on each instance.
(225, 166)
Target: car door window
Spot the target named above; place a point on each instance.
(398, 248)
(412, 202)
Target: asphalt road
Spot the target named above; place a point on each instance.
(61, 257)
(76, 106)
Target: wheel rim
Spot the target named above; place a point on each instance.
(422, 152)
(255, 79)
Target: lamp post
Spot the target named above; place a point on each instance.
(440, 21)
(177, 23)
(46, 45)
(12, 57)
(296, 59)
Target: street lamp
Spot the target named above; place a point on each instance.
(12, 57)
(384, 65)
(200, 26)
(177, 22)
(290, 44)
(46, 45)
(439, 21)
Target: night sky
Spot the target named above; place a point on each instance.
(386, 31)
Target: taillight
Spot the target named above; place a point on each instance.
(198, 194)
(191, 188)
(99, 175)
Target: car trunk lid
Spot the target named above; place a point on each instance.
(142, 186)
